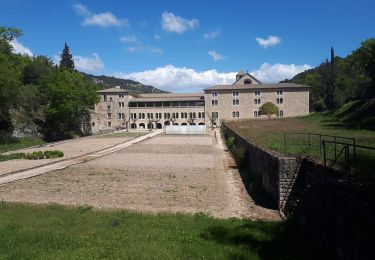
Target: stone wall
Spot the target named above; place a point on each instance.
(332, 210)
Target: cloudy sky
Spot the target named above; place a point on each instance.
(185, 46)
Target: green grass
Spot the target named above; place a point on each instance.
(125, 134)
(270, 134)
(19, 143)
(57, 232)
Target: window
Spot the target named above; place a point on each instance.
(110, 99)
(121, 104)
(279, 100)
(257, 101)
(119, 116)
(257, 92)
(214, 102)
(247, 81)
(121, 95)
(194, 115)
(215, 115)
(281, 113)
(109, 124)
(279, 92)
(235, 114)
(214, 94)
(109, 115)
(109, 107)
(235, 93)
(236, 102)
(256, 114)
(105, 98)
(133, 116)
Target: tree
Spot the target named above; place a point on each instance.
(66, 58)
(8, 34)
(269, 109)
(67, 97)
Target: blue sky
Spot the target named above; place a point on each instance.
(188, 45)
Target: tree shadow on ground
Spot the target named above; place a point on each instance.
(270, 240)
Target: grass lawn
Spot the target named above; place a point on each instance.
(270, 133)
(19, 143)
(58, 232)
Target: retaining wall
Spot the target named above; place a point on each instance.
(332, 210)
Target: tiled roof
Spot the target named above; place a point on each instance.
(114, 90)
(258, 86)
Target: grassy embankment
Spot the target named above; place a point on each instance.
(343, 122)
(57, 232)
(19, 143)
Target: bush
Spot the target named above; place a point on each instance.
(12, 156)
(231, 142)
(53, 154)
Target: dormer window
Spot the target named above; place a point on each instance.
(247, 81)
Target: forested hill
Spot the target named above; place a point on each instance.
(110, 82)
(338, 81)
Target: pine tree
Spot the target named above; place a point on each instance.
(67, 58)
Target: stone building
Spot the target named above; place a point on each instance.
(119, 108)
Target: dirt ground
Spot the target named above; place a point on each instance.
(71, 149)
(166, 173)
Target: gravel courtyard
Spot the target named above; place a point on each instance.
(165, 173)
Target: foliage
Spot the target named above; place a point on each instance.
(67, 96)
(269, 109)
(57, 232)
(19, 143)
(66, 58)
(53, 154)
(342, 79)
(231, 142)
(12, 156)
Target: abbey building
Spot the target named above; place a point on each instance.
(119, 108)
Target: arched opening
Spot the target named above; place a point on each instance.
(201, 123)
(150, 126)
(175, 123)
(193, 124)
(133, 125)
(93, 124)
(159, 126)
(142, 125)
(184, 124)
(167, 123)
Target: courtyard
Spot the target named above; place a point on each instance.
(166, 173)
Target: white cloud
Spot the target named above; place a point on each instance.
(105, 19)
(177, 24)
(171, 78)
(88, 64)
(129, 39)
(268, 73)
(138, 46)
(211, 34)
(216, 56)
(270, 41)
(20, 48)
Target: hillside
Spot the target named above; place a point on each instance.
(109, 82)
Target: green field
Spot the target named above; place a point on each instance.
(57, 232)
(19, 143)
(271, 134)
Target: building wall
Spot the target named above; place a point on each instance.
(101, 120)
(170, 110)
(295, 102)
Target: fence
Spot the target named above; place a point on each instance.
(332, 150)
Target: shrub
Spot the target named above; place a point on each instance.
(53, 154)
(12, 156)
(231, 142)
(40, 155)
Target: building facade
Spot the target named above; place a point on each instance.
(119, 108)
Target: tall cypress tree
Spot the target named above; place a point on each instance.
(67, 58)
